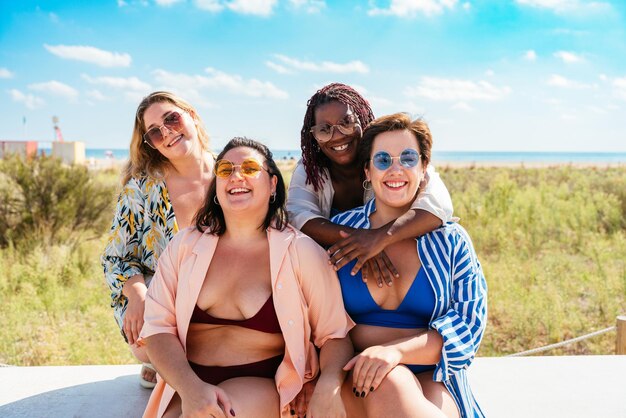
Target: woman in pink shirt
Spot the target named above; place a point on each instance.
(239, 304)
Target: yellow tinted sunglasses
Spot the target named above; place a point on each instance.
(249, 168)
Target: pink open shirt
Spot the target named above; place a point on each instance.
(306, 292)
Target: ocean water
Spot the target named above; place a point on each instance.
(442, 156)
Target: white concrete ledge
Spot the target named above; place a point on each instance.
(555, 387)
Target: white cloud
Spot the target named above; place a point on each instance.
(556, 80)
(490, 73)
(90, 54)
(467, 5)
(129, 83)
(222, 81)
(278, 68)
(567, 6)
(376, 101)
(443, 89)
(96, 95)
(56, 88)
(121, 3)
(310, 6)
(29, 100)
(167, 3)
(5, 73)
(620, 87)
(213, 6)
(568, 57)
(462, 106)
(530, 55)
(54, 18)
(252, 7)
(323, 67)
(412, 8)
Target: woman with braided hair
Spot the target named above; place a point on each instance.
(329, 180)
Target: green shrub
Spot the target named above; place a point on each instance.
(43, 200)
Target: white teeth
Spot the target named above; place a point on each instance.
(239, 190)
(174, 141)
(395, 184)
(341, 147)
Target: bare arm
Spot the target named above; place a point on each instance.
(324, 232)
(326, 400)
(135, 291)
(364, 244)
(167, 355)
(372, 365)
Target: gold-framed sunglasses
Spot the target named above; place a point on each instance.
(173, 122)
(248, 167)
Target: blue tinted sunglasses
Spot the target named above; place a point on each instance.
(409, 158)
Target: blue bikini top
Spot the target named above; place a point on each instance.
(415, 310)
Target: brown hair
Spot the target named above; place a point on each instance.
(210, 217)
(144, 160)
(396, 122)
(313, 158)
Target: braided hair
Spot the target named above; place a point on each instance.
(313, 158)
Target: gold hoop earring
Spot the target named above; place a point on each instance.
(273, 197)
(367, 183)
(215, 200)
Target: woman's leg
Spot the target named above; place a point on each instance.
(399, 395)
(438, 395)
(253, 397)
(140, 353)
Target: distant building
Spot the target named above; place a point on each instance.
(69, 152)
(24, 148)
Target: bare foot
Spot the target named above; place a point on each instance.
(147, 377)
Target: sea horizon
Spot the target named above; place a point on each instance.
(438, 157)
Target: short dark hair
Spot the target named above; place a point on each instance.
(396, 122)
(313, 158)
(210, 218)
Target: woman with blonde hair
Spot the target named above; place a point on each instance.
(164, 184)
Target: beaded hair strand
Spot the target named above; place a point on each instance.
(313, 158)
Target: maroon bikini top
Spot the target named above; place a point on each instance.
(265, 320)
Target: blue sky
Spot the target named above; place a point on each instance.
(501, 75)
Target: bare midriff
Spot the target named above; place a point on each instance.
(364, 336)
(237, 345)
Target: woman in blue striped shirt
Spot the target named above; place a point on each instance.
(417, 337)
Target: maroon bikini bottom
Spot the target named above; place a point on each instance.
(215, 375)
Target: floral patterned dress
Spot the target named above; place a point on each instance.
(143, 225)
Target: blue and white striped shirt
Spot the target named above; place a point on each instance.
(460, 288)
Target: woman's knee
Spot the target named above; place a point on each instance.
(140, 353)
(398, 382)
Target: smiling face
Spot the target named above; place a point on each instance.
(396, 186)
(340, 149)
(239, 193)
(175, 143)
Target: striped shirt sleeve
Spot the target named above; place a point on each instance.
(463, 324)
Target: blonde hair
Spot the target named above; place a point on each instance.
(145, 161)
